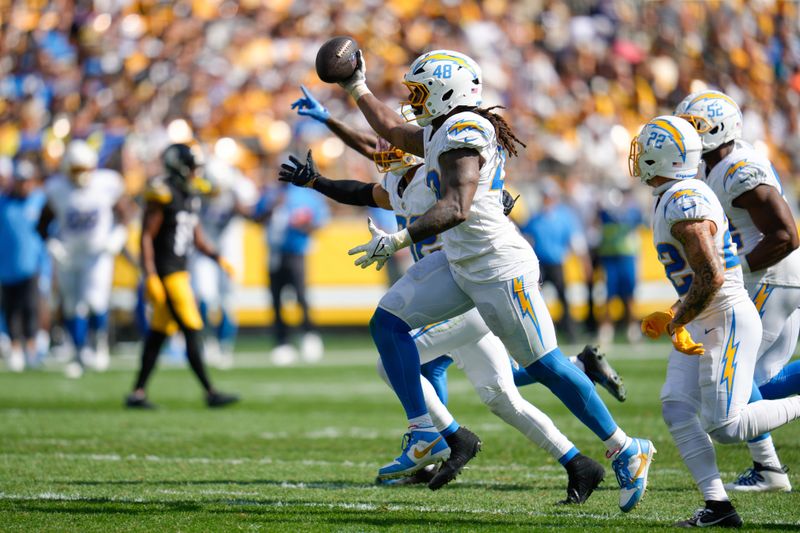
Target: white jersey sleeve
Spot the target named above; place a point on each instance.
(744, 176)
(689, 204)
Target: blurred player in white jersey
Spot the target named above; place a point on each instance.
(708, 382)
(484, 263)
(88, 211)
(232, 195)
(465, 338)
(765, 233)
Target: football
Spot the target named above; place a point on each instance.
(336, 59)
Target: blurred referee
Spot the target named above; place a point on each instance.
(22, 249)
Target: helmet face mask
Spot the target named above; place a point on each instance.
(440, 81)
(389, 158)
(667, 147)
(715, 116)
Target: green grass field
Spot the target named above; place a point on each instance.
(301, 451)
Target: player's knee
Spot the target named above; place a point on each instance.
(677, 413)
(728, 433)
(384, 322)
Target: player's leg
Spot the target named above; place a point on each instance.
(75, 311)
(488, 368)
(182, 305)
(780, 321)
(161, 326)
(592, 363)
(444, 337)
(205, 275)
(279, 277)
(99, 277)
(11, 310)
(227, 327)
(30, 317)
(442, 419)
(680, 406)
(515, 311)
(731, 338)
(425, 295)
(311, 347)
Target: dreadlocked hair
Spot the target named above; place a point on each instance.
(505, 135)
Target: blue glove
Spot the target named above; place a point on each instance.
(310, 107)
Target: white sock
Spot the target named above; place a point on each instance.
(617, 441)
(439, 414)
(695, 448)
(422, 421)
(577, 362)
(763, 452)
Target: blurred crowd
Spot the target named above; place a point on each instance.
(577, 77)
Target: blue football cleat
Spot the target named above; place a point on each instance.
(631, 465)
(421, 447)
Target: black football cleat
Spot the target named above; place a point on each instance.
(714, 514)
(424, 475)
(584, 474)
(134, 401)
(464, 445)
(220, 399)
(600, 371)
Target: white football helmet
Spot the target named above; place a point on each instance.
(440, 81)
(389, 158)
(667, 146)
(79, 159)
(715, 116)
(219, 174)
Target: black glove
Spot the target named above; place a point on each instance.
(508, 202)
(299, 174)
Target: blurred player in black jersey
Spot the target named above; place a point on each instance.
(170, 231)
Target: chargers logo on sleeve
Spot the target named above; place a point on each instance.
(674, 135)
(465, 125)
(688, 193)
(733, 169)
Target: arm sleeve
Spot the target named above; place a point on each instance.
(350, 192)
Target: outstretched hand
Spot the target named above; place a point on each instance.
(308, 106)
(297, 173)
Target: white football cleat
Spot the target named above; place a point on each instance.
(16, 360)
(311, 348)
(283, 355)
(762, 478)
(73, 370)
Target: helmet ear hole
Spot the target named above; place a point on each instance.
(714, 130)
(650, 162)
(446, 96)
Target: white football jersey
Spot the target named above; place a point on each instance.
(415, 200)
(487, 246)
(743, 170)
(84, 215)
(693, 200)
(217, 211)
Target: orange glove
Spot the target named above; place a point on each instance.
(683, 342)
(154, 289)
(655, 324)
(227, 267)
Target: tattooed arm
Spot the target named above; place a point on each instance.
(460, 173)
(697, 238)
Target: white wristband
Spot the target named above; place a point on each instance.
(401, 239)
(358, 91)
